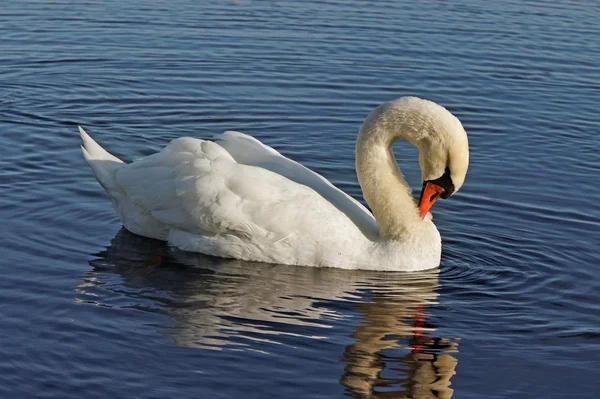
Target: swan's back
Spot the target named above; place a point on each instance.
(197, 196)
(249, 151)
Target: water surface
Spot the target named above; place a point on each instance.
(90, 310)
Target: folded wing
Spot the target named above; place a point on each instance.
(209, 202)
(249, 151)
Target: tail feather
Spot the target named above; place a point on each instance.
(104, 165)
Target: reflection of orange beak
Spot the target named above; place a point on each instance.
(431, 192)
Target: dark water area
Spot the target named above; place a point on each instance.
(90, 310)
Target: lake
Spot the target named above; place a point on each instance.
(90, 310)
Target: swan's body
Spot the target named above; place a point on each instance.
(238, 198)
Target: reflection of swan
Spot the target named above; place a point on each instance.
(425, 360)
(218, 304)
(242, 199)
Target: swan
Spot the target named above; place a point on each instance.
(236, 197)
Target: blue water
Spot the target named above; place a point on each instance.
(89, 310)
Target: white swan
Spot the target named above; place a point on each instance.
(238, 198)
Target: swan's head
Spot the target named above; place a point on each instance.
(443, 155)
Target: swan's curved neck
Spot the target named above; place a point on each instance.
(384, 188)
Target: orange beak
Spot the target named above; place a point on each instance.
(431, 192)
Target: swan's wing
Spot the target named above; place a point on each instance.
(195, 188)
(247, 150)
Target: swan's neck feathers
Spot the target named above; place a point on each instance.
(383, 185)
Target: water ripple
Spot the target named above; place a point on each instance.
(516, 295)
